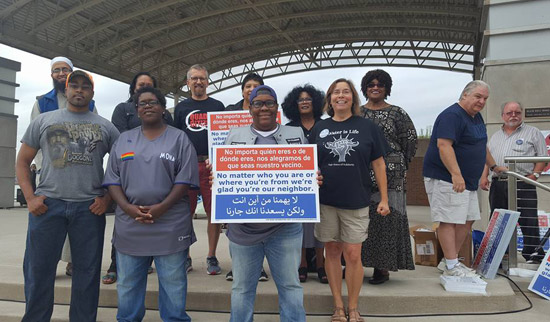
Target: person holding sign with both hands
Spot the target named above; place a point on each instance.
(348, 146)
(280, 243)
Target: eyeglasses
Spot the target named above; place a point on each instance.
(513, 113)
(304, 100)
(152, 103)
(59, 70)
(198, 79)
(379, 85)
(84, 87)
(259, 104)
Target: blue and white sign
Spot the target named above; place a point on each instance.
(540, 284)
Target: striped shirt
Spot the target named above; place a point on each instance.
(525, 141)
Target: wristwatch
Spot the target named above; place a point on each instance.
(536, 174)
(492, 168)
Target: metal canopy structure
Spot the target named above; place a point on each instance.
(119, 38)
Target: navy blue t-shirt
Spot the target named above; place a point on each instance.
(469, 136)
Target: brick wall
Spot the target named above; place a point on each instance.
(416, 194)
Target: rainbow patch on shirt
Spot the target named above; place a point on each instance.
(127, 156)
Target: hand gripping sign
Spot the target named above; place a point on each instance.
(265, 183)
(219, 124)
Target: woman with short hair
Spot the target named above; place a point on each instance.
(149, 173)
(388, 247)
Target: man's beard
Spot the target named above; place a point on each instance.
(59, 87)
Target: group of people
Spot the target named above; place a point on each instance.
(158, 166)
(458, 161)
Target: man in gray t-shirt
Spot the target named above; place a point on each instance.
(69, 199)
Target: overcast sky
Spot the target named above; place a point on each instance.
(423, 93)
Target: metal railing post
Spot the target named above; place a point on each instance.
(513, 177)
(512, 205)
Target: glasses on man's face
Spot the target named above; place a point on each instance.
(379, 85)
(511, 113)
(150, 103)
(84, 87)
(304, 100)
(197, 79)
(59, 70)
(268, 104)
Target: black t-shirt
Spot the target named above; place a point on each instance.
(345, 150)
(299, 124)
(190, 116)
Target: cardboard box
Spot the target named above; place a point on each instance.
(465, 254)
(427, 251)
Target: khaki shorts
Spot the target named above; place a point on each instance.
(449, 206)
(342, 225)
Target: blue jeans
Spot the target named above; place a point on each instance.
(283, 251)
(132, 285)
(45, 238)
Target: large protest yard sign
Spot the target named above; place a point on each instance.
(265, 183)
(540, 284)
(219, 124)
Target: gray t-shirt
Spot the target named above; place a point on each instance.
(253, 233)
(147, 170)
(73, 146)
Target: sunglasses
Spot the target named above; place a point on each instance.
(304, 100)
(84, 87)
(379, 85)
(259, 104)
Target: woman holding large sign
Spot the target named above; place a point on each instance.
(149, 173)
(348, 146)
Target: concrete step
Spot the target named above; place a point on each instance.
(13, 312)
(407, 292)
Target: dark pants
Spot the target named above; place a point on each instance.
(45, 237)
(527, 206)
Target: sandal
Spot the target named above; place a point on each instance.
(339, 315)
(69, 269)
(302, 274)
(109, 278)
(355, 316)
(322, 274)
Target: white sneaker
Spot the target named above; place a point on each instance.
(442, 265)
(459, 270)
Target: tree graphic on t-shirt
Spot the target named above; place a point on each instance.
(341, 147)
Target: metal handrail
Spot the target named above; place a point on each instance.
(527, 180)
(512, 197)
(526, 159)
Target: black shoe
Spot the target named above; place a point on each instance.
(229, 276)
(379, 277)
(263, 276)
(302, 274)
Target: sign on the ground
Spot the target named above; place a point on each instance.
(495, 242)
(540, 284)
(265, 183)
